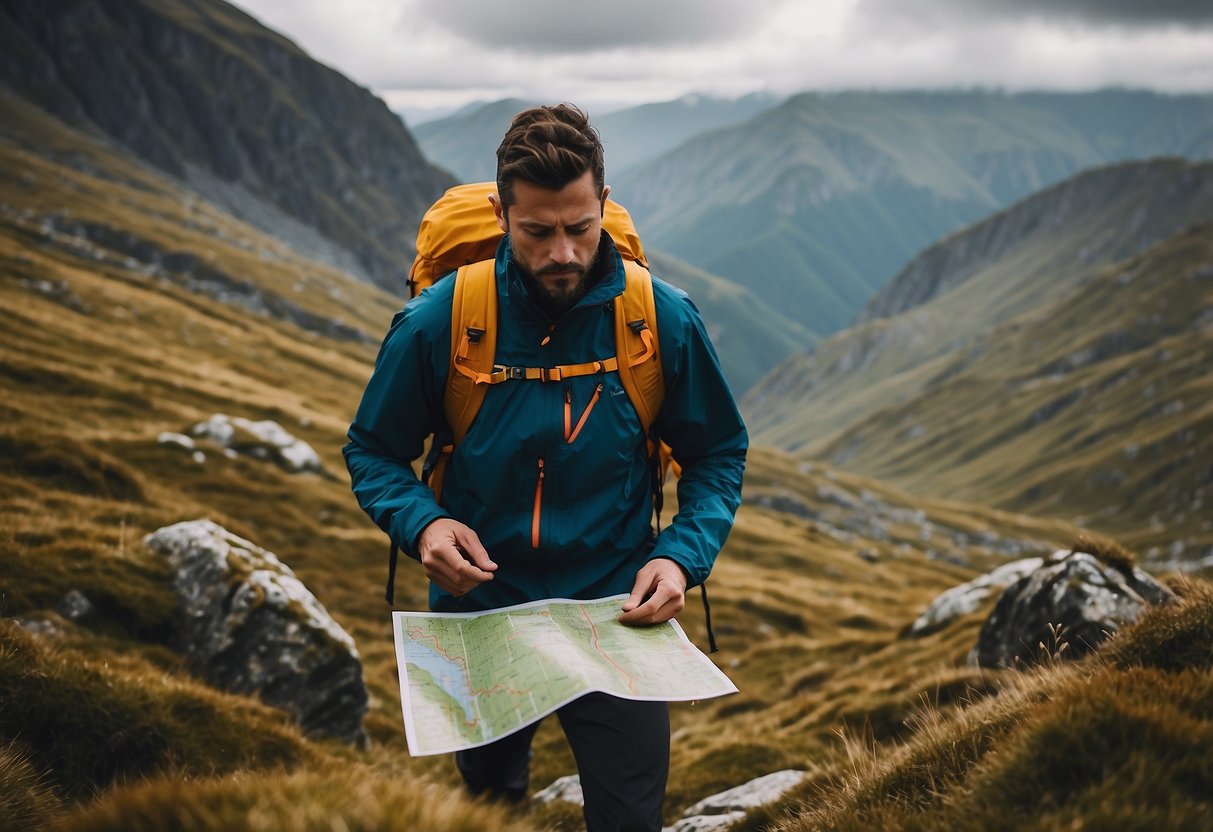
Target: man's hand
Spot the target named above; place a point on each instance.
(658, 594)
(453, 557)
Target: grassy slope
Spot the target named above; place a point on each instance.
(1120, 741)
(1096, 408)
(95, 366)
(1040, 384)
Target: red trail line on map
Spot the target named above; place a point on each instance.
(631, 682)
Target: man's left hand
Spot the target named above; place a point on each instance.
(658, 595)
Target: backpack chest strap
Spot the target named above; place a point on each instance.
(464, 364)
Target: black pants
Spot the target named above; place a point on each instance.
(622, 748)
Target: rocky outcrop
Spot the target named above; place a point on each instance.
(968, 597)
(1065, 608)
(237, 112)
(262, 440)
(252, 627)
(718, 812)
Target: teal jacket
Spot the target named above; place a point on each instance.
(595, 507)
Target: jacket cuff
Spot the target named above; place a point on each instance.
(406, 528)
(694, 576)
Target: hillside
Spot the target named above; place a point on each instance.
(1051, 359)
(235, 112)
(135, 310)
(103, 351)
(137, 307)
(748, 333)
(816, 203)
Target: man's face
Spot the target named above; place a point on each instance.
(554, 234)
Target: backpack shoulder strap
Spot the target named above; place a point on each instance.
(637, 345)
(473, 344)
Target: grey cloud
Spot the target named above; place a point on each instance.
(558, 26)
(1126, 13)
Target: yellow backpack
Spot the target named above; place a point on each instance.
(460, 233)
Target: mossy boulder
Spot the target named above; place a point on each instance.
(1065, 608)
(252, 627)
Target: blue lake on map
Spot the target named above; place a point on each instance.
(447, 674)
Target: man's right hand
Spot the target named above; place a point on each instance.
(453, 557)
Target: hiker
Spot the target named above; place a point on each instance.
(550, 491)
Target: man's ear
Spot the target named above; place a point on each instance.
(503, 221)
(606, 191)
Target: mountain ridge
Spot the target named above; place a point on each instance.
(236, 112)
(842, 189)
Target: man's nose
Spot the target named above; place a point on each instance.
(562, 248)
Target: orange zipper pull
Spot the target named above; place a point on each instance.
(547, 337)
(568, 412)
(585, 414)
(538, 505)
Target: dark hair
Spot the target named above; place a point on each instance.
(548, 147)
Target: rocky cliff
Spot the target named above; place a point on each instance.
(237, 112)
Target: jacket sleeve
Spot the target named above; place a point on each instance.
(401, 406)
(700, 421)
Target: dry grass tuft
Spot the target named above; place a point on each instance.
(27, 801)
(1175, 637)
(94, 725)
(354, 799)
(1118, 741)
(1107, 550)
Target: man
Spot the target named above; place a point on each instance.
(531, 507)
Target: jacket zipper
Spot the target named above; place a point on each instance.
(571, 433)
(538, 506)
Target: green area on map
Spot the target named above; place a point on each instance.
(471, 679)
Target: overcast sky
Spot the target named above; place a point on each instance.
(446, 53)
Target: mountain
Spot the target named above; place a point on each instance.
(136, 310)
(749, 334)
(237, 113)
(466, 142)
(637, 134)
(1052, 358)
(817, 202)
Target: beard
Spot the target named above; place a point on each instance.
(558, 299)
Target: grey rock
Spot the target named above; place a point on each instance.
(1075, 596)
(705, 823)
(263, 440)
(967, 597)
(719, 811)
(252, 627)
(42, 627)
(566, 788)
(756, 792)
(169, 437)
(75, 606)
